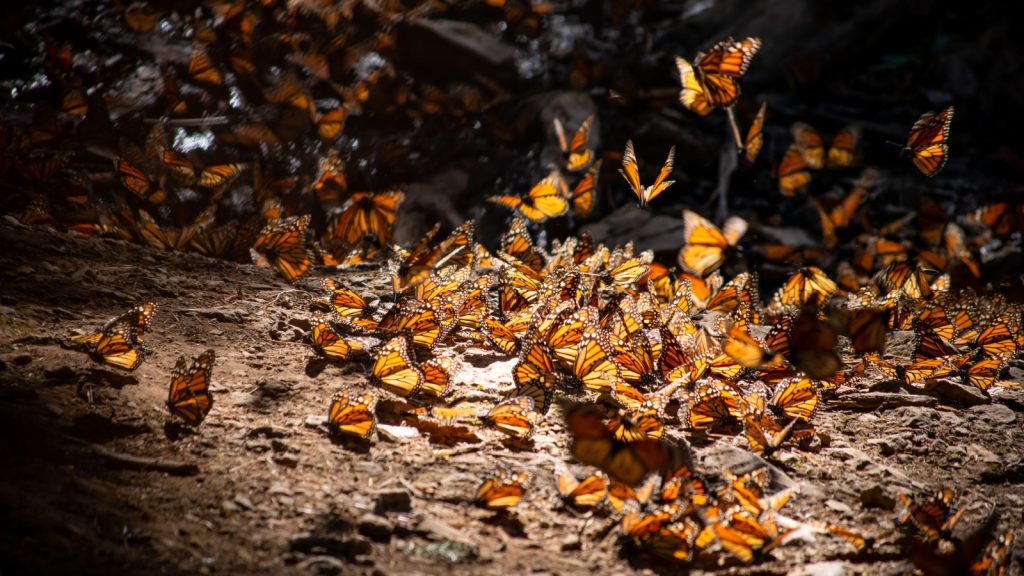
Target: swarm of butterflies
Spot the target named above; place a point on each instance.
(629, 352)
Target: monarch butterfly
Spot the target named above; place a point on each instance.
(394, 371)
(353, 415)
(859, 541)
(282, 244)
(137, 318)
(755, 139)
(220, 176)
(706, 247)
(928, 344)
(642, 423)
(628, 272)
(711, 407)
(545, 200)
(172, 238)
(812, 346)
(515, 417)
(189, 396)
(792, 172)
(181, 168)
(577, 155)
(1003, 218)
(201, 68)
(138, 183)
(330, 344)
(417, 319)
(582, 198)
(810, 145)
(626, 462)
(905, 278)
(998, 339)
(741, 293)
(592, 368)
(926, 144)
(995, 558)
(620, 494)
(586, 493)
(502, 489)
(764, 434)
(363, 214)
(842, 153)
(116, 345)
(933, 518)
(745, 349)
(807, 286)
(744, 536)
(516, 242)
(217, 242)
(631, 172)
(867, 329)
(794, 398)
(331, 123)
(713, 79)
(983, 373)
(923, 369)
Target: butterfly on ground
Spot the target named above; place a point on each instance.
(577, 155)
(329, 343)
(581, 494)
(631, 172)
(515, 417)
(545, 200)
(713, 79)
(172, 238)
(502, 489)
(189, 395)
(117, 341)
(282, 244)
(394, 369)
(934, 517)
(926, 145)
(352, 414)
(706, 247)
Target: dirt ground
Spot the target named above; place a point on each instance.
(262, 488)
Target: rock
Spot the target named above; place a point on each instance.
(230, 315)
(279, 489)
(22, 360)
(375, 527)
(571, 542)
(979, 453)
(830, 568)
(243, 501)
(1012, 473)
(915, 417)
(272, 388)
(228, 508)
(395, 500)
(301, 323)
(323, 565)
(957, 393)
(875, 497)
(397, 433)
(286, 460)
(315, 422)
(307, 543)
(438, 530)
(450, 50)
(278, 446)
(839, 506)
(885, 447)
(993, 413)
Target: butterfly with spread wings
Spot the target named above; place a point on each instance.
(926, 145)
(365, 214)
(545, 200)
(631, 172)
(117, 341)
(712, 81)
(282, 244)
(706, 246)
(353, 414)
(189, 396)
(577, 155)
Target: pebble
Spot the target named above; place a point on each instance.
(286, 460)
(323, 565)
(993, 413)
(22, 360)
(839, 506)
(394, 501)
(272, 388)
(875, 497)
(375, 527)
(957, 393)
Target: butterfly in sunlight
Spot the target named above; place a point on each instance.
(394, 370)
(628, 462)
(189, 396)
(172, 238)
(581, 494)
(926, 145)
(755, 139)
(138, 183)
(582, 198)
(712, 81)
(515, 417)
(742, 347)
(545, 200)
(365, 214)
(117, 341)
(812, 346)
(282, 244)
(794, 398)
(706, 247)
(353, 415)
(577, 155)
(631, 172)
(934, 518)
(502, 489)
(330, 344)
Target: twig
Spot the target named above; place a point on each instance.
(141, 462)
(735, 129)
(191, 122)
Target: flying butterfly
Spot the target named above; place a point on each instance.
(545, 200)
(713, 79)
(706, 247)
(189, 396)
(582, 198)
(365, 214)
(138, 183)
(631, 172)
(755, 138)
(578, 156)
(282, 244)
(934, 518)
(926, 145)
(353, 415)
(792, 172)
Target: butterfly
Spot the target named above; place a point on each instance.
(764, 434)
(438, 376)
(859, 541)
(545, 200)
(578, 156)
(138, 183)
(502, 489)
(713, 79)
(586, 493)
(628, 462)
(794, 398)
(282, 244)
(631, 172)
(330, 344)
(394, 370)
(353, 415)
(926, 144)
(812, 346)
(742, 347)
(711, 407)
(331, 123)
(117, 342)
(582, 198)
(809, 285)
(842, 153)
(172, 238)
(706, 247)
(867, 329)
(217, 242)
(755, 139)
(189, 396)
(933, 518)
(201, 68)
(792, 172)
(1003, 218)
(364, 214)
(516, 241)
(417, 319)
(515, 417)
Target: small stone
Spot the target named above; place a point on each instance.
(301, 323)
(22, 360)
(838, 506)
(286, 460)
(228, 508)
(571, 542)
(375, 527)
(278, 446)
(272, 388)
(957, 393)
(243, 501)
(993, 413)
(394, 501)
(875, 497)
(315, 422)
(279, 489)
(885, 448)
(323, 565)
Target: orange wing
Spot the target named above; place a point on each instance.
(189, 396)
(755, 139)
(926, 145)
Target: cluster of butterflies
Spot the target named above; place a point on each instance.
(118, 342)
